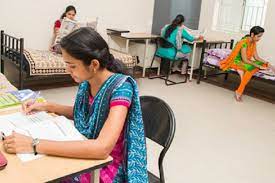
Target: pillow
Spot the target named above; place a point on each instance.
(213, 60)
(219, 53)
(90, 23)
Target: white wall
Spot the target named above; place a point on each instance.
(266, 46)
(34, 19)
(190, 9)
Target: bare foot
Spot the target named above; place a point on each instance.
(238, 97)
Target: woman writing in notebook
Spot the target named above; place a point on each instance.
(245, 59)
(69, 13)
(107, 112)
(175, 33)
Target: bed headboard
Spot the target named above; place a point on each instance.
(218, 44)
(214, 44)
(12, 48)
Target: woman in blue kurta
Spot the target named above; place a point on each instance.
(107, 112)
(175, 33)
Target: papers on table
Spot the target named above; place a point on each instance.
(39, 125)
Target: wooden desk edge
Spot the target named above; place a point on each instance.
(107, 162)
(8, 156)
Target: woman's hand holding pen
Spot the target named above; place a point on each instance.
(33, 106)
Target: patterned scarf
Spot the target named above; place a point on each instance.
(251, 48)
(89, 120)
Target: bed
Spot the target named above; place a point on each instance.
(214, 52)
(29, 67)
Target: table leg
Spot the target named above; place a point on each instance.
(127, 45)
(108, 40)
(95, 175)
(145, 56)
(158, 71)
(193, 60)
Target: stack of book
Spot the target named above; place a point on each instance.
(14, 98)
(8, 100)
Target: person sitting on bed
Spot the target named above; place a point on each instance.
(175, 33)
(245, 59)
(69, 13)
(107, 112)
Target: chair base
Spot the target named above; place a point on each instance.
(153, 178)
(165, 77)
(169, 82)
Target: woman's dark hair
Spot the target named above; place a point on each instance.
(255, 30)
(176, 22)
(86, 44)
(69, 8)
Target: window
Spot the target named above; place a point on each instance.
(239, 15)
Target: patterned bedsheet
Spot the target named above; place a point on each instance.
(129, 60)
(214, 56)
(43, 62)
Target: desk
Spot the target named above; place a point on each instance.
(134, 37)
(47, 168)
(116, 31)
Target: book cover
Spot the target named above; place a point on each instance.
(23, 95)
(8, 100)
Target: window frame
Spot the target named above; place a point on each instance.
(241, 29)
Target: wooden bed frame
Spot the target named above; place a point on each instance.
(12, 58)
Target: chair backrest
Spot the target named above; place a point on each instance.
(164, 43)
(159, 123)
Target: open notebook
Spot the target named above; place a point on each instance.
(196, 33)
(39, 125)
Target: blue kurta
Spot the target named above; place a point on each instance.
(170, 53)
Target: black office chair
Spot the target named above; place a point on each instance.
(166, 64)
(160, 126)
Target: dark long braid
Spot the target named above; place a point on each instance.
(176, 22)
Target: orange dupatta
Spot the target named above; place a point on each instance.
(229, 61)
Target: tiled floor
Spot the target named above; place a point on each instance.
(217, 139)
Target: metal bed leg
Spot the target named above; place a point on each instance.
(2, 51)
(226, 77)
(21, 63)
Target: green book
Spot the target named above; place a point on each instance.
(8, 100)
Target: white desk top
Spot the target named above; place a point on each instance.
(139, 36)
